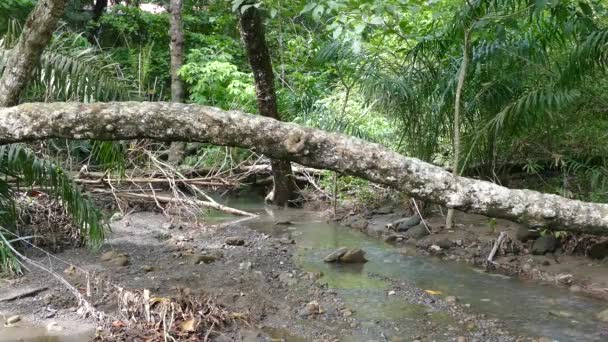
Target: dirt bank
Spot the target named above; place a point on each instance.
(250, 274)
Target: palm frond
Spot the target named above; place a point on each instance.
(21, 163)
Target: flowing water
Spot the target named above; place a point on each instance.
(523, 306)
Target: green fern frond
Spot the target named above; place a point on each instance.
(19, 161)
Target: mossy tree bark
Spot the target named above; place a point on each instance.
(25, 56)
(176, 32)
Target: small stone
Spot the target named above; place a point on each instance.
(405, 224)
(346, 313)
(121, 260)
(234, 241)
(544, 339)
(47, 299)
(312, 308)
(564, 278)
(206, 259)
(525, 234)
(71, 270)
(245, 266)
(282, 223)
(560, 313)
(444, 243)
(287, 241)
(434, 249)
(416, 232)
(603, 316)
(353, 256)
(335, 255)
(356, 222)
(148, 268)
(451, 299)
(391, 293)
(107, 256)
(54, 327)
(575, 288)
(461, 339)
(287, 279)
(544, 244)
(598, 250)
(13, 319)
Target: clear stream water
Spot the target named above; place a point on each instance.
(523, 306)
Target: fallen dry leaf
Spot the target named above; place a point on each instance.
(188, 325)
(433, 292)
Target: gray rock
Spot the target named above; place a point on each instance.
(335, 255)
(544, 244)
(416, 232)
(287, 279)
(526, 233)
(444, 243)
(603, 316)
(346, 255)
(598, 250)
(234, 241)
(13, 319)
(353, 256)
(387, 209)
(356, 222)
(404, 224)
(245, 266)
(205, 259)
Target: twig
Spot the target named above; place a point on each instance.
(496, 245)
(421, 218)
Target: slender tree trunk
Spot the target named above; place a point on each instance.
(176, 151)
(307, 146)
(25, 56)
(449, 223)
(99, 9)
(253, 35)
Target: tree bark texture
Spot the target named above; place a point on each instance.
(253, 35)
(99, 9)
(25, 56)
(307, 146)
(176, 32)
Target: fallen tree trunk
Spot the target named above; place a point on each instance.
(307, 146)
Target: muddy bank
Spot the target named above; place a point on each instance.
(523, 253)
(263, 271)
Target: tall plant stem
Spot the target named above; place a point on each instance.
(457, 104)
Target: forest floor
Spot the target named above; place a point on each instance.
(520, 254)
(250, 274)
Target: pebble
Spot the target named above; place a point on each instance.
(234, 241)
(451, 299)
(13, 319)
(245, 266)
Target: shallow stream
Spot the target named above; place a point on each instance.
(527, 308)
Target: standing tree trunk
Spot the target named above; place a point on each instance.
(25, 56)
(252, 32)
(449, 223)
(176, 32)
(99, 8)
